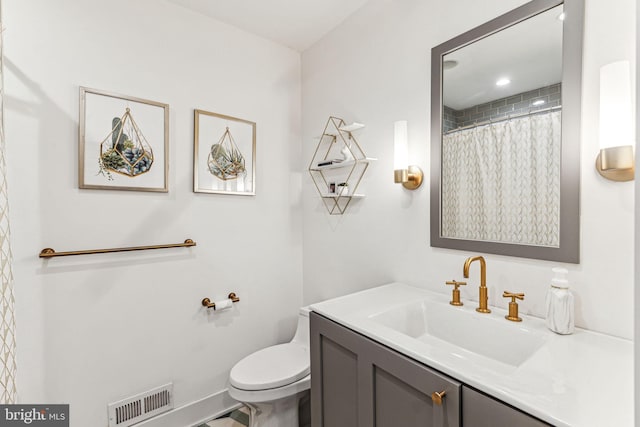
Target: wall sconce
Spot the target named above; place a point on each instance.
(409, 175)
(616, 159)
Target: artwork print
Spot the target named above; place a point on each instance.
(224, 154)
(225, 160)
(123, 142)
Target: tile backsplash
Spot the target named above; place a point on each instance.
(521, 103)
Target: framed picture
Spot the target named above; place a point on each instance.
(123, 142)
(332, 188)
(224, 154)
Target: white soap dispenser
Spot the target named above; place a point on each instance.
(560, 303)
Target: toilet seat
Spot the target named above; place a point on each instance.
(272, 394)
(271, 367)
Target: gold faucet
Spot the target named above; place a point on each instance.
(484, 298)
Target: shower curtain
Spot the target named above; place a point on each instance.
(7, 321)
(501, 181)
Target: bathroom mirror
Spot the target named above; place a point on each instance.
(505, 134)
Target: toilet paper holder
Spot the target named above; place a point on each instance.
(210, 304)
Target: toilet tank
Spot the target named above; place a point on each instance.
(302, 331)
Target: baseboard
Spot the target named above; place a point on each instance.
(195, 413)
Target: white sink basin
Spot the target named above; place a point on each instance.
(489, 335)
(550, 376)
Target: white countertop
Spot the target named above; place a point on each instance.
(580, 380)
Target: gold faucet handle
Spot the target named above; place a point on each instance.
(507, 294)
(455, 283)
(513, 306)
(455, 297)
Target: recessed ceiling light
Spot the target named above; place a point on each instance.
(538, 102)
(562, 16)
(449, 64)
(503, 82)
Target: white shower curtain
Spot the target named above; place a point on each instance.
(8, 390)
(501, 181)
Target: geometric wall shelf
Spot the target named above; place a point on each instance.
(338, 164)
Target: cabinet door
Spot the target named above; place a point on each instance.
(356, 382)
(480, 410)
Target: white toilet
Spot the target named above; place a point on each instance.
(271, 381)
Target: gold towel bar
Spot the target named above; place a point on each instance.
(50, 253)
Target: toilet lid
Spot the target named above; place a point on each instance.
(271, 367)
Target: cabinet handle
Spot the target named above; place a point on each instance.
(437, 397)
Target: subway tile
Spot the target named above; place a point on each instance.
(514, 99)
(531, 94)
(483, 107)
(519, 103)
(506, 109)
(549, 89)
(539, 98)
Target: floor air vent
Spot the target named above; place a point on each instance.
(140, 407)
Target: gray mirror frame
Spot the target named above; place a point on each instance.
(572, 36)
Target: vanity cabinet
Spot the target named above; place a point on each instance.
(480, 410)
(357, 382)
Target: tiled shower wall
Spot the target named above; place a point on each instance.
(521, 103)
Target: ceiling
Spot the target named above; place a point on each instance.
(297, 24)
(529, 54)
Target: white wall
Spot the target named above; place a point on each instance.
(374, 69)
(98, 328)
(95, 329)
(636, 269)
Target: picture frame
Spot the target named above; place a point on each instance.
(337, 188)
(224, 154)
(332, 187)
(123, 142)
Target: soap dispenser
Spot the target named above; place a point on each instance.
(560, 303)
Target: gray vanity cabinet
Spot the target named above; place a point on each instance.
(480, 410)
(357, 382)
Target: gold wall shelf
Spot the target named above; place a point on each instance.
(50, 253)
(338, 165)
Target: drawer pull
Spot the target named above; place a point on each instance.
(437, 397)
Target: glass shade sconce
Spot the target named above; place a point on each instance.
(616, 160)
(410, 176)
